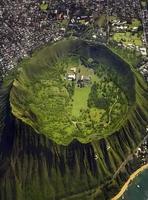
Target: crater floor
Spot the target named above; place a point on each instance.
(73, 90)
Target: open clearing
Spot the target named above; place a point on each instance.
(80, 100)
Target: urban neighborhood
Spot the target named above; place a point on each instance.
(27, 25)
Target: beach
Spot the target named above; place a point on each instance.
(131, 178)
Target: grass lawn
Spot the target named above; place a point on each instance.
(64, 23)
(44, 6)
(101, 20)
(135, 23)
(86, 71)
(96, 114)
(80, 100)
(81, 94)
(128, 38)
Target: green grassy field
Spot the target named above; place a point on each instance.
(135, 23)
(101, 21)
(44, 6)
(80, 100)
(128, 38)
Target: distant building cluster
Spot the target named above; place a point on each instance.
(142, 151)
(143, 69)
(23, 27)
(126, 9)
(28, 24)
(145, 24)
(81, 80)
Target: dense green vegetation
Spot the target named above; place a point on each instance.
(97, 100)
(94, 104)
(33, 167)
(131, 56)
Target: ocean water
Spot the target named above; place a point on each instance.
(138, 189)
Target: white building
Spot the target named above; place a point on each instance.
(71, 77)
(143, 51)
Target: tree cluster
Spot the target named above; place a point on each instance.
(96, 100)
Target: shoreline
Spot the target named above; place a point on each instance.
(131, 178)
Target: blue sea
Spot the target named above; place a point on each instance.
(138, 189)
